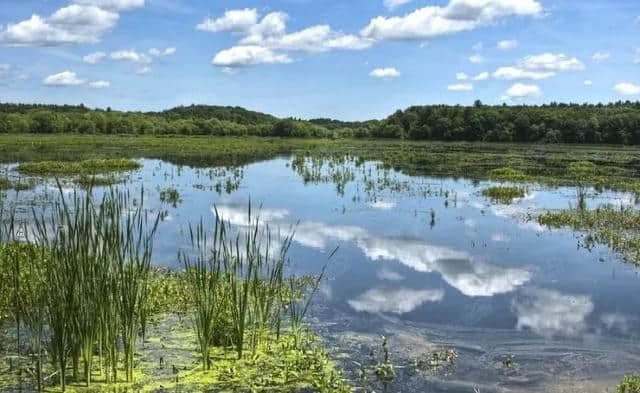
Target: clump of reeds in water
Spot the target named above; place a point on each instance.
(242, 277)
(87, 264)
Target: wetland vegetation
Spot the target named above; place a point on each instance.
(85, 308)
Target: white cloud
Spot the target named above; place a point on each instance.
(601, 56)
(521, 91)
(478, 47)
(507, 44)
(385, 73)
(461, 76)
(476, 59)
(513, 73)
(266, 41)
(627, 89)
(483, 76)
(552, 62)
(143, 70)
(248, 55)
(396, 301)
(73, 24)
(130, 55)
(94, 58)
(551, 313)
(99, 84)
(116, 5)
(162, 52)
(389, 275)
(537, 67)
(391, 4)
(234, 20)
(460, 87)
(457, 16)
(588, 82)
(65, 78)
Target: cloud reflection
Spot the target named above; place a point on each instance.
(458, 268)
(396, 301)
(551, 313)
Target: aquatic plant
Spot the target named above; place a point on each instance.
(629, 384)
(170, 196)
(86, 167)
(503, 194)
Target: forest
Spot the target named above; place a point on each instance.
(613, 123)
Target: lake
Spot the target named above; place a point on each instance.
(428, 262)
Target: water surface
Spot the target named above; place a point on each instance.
(429, 262)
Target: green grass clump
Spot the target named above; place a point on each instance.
(503, 194)
(617, 228)
(170, 196)
(629, 384)
(93, 166)
(508, 174)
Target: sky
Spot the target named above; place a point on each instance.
(343, 59)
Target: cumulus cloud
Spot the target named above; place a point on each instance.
(391, 4)
(551, 313)
(483, 76)
(73, 24)
(537, 67)
(627, 89)
(552, 62)
(520, 91)
(456, 16)
(94, 58)
(476, 59)
(130, 55)
(599, 57)
(507, 44)
(115, 5)
(461, 76)
(460, 87)
(266, 41)
(385, 73)
(234, 21)
(396, 301)
(248, 55)
(588, 82)
(99, 84)
(155, 52)
(65, 78)
(513, 73)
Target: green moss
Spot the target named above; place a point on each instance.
(94, 166)
(629, 384)
(503, 194)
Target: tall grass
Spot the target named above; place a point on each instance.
(241, 273)
(95, 284)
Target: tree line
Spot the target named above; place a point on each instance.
(614, 123)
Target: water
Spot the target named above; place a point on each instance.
(429, 262)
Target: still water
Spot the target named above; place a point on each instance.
(429, 263)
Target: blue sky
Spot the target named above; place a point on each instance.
(349, 60)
